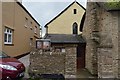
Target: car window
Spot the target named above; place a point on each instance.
(3, 55)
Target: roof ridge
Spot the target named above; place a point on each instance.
(63, 12)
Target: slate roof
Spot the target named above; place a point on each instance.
(65, 38)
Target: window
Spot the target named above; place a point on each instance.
(46, 45)
(75, 11)
(8, 36)
(35, 29)
(26, 22)
(75, 28)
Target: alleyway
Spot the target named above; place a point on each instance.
(25, 61)
(82, 73)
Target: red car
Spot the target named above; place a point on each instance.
(10, 68)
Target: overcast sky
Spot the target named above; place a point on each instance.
(45, 10)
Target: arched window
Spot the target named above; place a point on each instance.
(75, 28)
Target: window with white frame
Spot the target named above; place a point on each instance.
(8, 36)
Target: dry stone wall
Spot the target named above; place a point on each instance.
(51, 62)
(47, 63)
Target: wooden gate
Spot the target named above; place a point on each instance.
(81, 55)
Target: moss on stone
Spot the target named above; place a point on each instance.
(112, 4)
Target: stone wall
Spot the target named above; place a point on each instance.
(70, 62)
(47, 63)
(51, 62)
(118, 45)
(101, 30)
(90, 32)
(105, 61)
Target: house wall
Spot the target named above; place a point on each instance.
(0, 27)
(101, 31)
(13, 16)
(64, 23)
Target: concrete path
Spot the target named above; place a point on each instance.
(26, 62)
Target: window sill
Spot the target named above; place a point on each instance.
(35, 33)
(31, 28)
(25, 26)
(9, 44)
